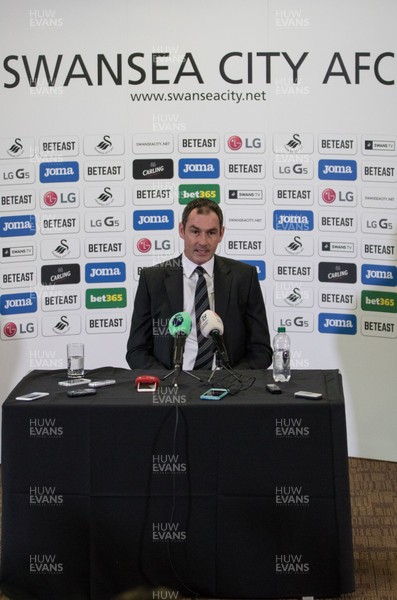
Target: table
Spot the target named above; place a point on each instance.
(247, 497)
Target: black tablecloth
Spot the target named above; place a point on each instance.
(246, 497)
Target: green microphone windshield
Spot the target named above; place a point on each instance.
(180, 324)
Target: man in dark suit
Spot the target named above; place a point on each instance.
(233, 290)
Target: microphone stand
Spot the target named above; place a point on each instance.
(176, 371)
(222, 364)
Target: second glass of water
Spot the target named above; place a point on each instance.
(75, 354)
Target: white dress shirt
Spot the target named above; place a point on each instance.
(189, 288)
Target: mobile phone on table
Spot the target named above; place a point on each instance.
(72, 382)
(214, 394)
(32, 396)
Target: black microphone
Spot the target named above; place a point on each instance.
(179, 326)
(211, 325)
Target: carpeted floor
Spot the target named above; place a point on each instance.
(374, 515)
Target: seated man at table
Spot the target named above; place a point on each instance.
(227, 286)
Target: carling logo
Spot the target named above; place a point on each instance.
(57, 172)
(199, 168)
(153, 219)
(337, 272)
(60, 274)
(337, 323)
(105, 272)
(299, 220)
(379, 275)
(11, 304)
(17, 226)
(153, 169)
(337, 169)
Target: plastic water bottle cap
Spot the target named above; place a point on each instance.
(281, 330)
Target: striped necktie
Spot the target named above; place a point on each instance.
(205, 351)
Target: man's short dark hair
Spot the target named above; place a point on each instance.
(204, 206)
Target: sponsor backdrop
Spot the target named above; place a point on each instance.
(115, 116)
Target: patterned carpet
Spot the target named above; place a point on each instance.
(374, 515)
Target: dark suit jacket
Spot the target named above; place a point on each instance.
(238, 302)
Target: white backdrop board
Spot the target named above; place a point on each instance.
(115, 115)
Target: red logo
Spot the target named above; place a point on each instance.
(328, 195)
(50, 198)
(10, 329)
(144, 245)
(235, 142)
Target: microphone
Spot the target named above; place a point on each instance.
(211, 325)
(179, 326)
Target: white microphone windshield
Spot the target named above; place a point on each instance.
(210, 321)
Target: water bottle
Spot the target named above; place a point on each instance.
(281, 356)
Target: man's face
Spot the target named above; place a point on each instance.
(201, 235)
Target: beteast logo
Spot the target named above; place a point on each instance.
(300, 220)
(105, 272)
(379, 275)
(337, 323)
(60, 274)
(18, 201)
(109, 247)
(379, 301)
(379, 327)
(51, 301)
(198, 168)
(153, 219)
(337, 169)
(260, 267)
(17, 226)
(331, 272)
(374, 249)
(58, 172)
(12, 304)
(153, 169)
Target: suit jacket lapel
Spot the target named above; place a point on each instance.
(222, 283)
(173, 281)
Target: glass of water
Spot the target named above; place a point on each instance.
(75, 354)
